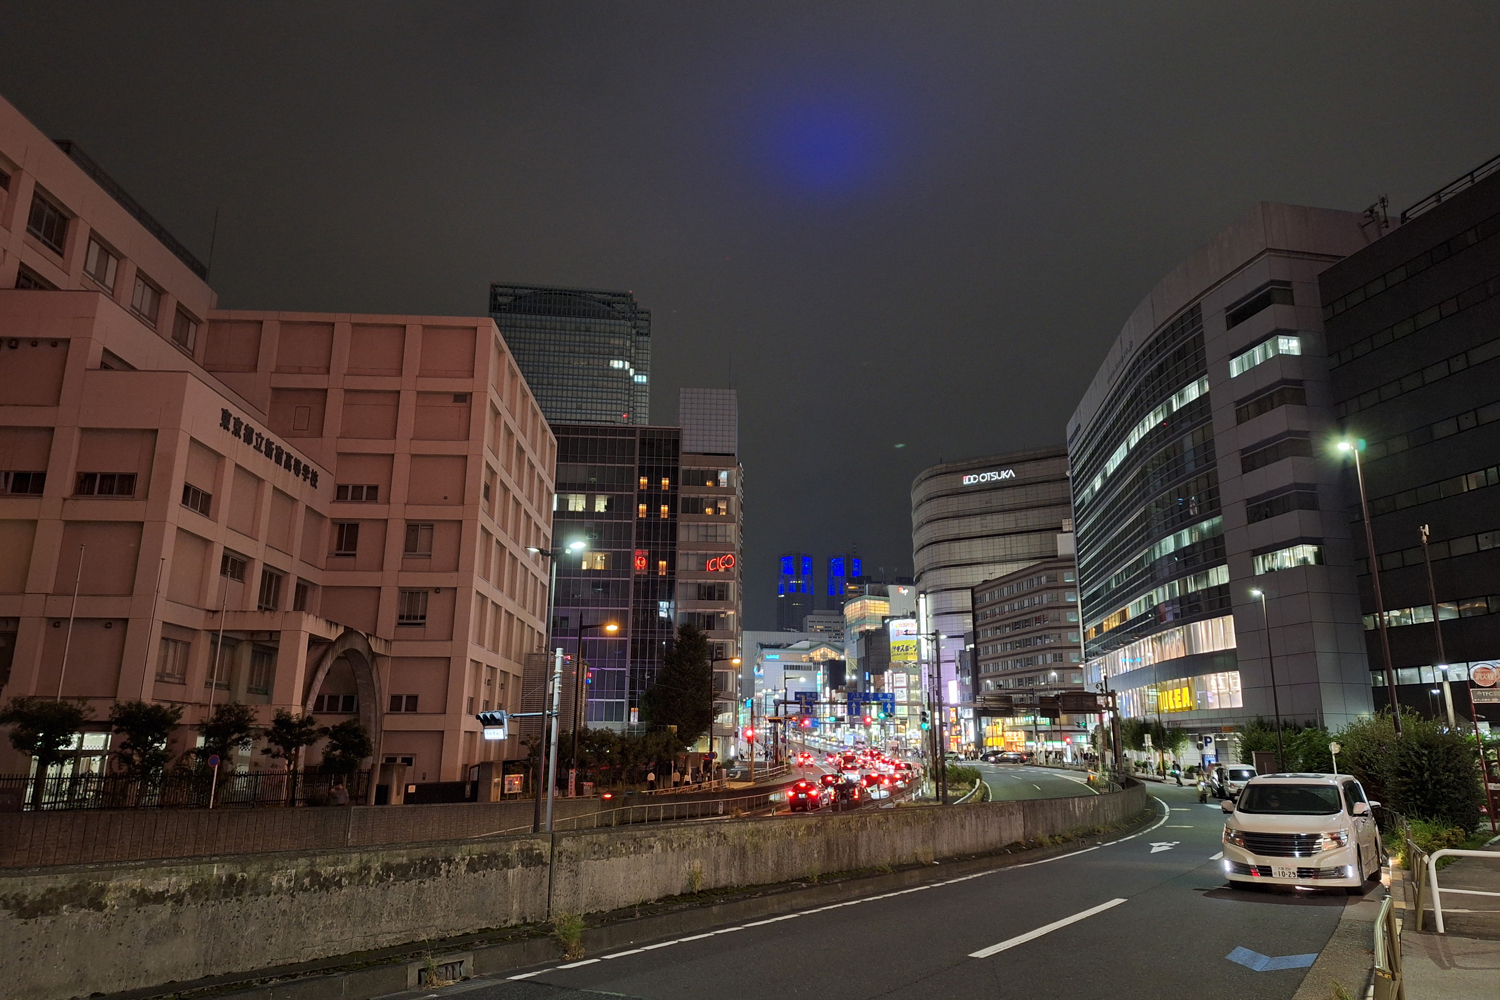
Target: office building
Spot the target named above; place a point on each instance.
(710, 529)
(1026, 647)
(796, 591)
(329, 513)
(841, 570)
(618, 491)
(1413, 327)
(825, 623)
(1203, 472)
(586, 354)
(977, 520)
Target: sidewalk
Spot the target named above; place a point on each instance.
(1464, 963)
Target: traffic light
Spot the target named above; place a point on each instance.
(496, 725)
(924, 719)
(867, 720)
(749, 734)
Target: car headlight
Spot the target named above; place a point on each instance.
(1233, 836)
(1333, 840)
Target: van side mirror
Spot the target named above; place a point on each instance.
(1374, 805)
(1227, 805)
(1360, 809)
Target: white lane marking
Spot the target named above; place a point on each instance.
(622, 954)
(528, 975)
(1158, 846)
(1181, 826)
(574, 965)
(1217, 857)
(1009, 943)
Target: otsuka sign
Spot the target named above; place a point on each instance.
(719, 564)
(903, 640)
(975, 478)
(1177, 699)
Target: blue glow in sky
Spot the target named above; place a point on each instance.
(826, 146)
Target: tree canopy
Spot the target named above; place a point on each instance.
(682, 694)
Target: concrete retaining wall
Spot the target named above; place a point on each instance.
(69, 932)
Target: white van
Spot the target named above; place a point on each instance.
(1306, 830)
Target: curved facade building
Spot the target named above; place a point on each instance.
(1203, 470)
(980, 519)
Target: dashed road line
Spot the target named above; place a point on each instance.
(1010, 943)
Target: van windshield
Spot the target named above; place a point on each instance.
(1291, 800)
(1240, 774)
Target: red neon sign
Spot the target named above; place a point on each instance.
(640, 560)
(719, 563)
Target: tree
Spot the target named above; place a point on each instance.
(42, 729)
(286, 737)
(1433, 773)
(349, 745)
(143, 752)
(230, 729)
(682, 695)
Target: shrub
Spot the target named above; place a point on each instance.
(1432, 774)
(146, 730)
(959, 774)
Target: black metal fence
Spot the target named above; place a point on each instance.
(185, 790)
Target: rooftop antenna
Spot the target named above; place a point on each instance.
(1378, 215)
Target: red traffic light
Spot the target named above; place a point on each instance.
(867, 720)
(749, 733)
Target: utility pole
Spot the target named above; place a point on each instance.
(1437, 627)
(557, 664)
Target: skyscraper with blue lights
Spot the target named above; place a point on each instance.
(796, 591)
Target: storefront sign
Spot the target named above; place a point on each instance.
(640, 560)
(974, 478)
(1177, 699)
(903, 640)
(1484, 674)
(262, 443)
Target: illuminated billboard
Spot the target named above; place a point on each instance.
(903, 640)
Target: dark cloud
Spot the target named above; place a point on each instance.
(907, 223)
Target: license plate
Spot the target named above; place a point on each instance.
(1280, 872)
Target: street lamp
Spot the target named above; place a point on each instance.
(578, 671)
(551, 555)
(1374, 561)
(1275, 698)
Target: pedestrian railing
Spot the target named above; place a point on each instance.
(1437, 891)
(665, 812)
(181, 790)
(1388, 985)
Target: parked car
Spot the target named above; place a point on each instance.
(1228, 780)
(1305, 830)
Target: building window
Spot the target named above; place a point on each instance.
(663, 511)
(644, 481)
(661, 567)
(232, 566)
(23, 483)
(301, 595)
(101, 265)
(1262, 510)
(1277, 293)
(603, 503)
(346, 538)
(1263, 352)
(418, 540)
(713, 591)
(357, 494)
(172, 661)
(336, 704)
(1305, 554)
(1284, 395)
(411, 607)
(403, 703)
(184, 331)
(270, 591)
(571, 501)
(29, 280)
(719, 507)
(262, 670)
(105, 484)
(195, 499)
(595, 560)
(666, 483)
(640, 510)
(1292, 447)
(47, 223)
(145, 300)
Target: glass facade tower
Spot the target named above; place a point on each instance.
(586, 354)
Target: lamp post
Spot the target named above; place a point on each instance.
(713, 713)
(1437, 626)
(551, 555)
(1374, 561)
(611, 628)
(1271, 662)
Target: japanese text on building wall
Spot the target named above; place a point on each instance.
(262, 443)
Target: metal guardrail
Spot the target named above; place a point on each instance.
(662, 812)
(181, 790)
(1437, 891)
(1450, 189)
(1387, 984)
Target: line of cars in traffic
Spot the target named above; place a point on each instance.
(852, 778)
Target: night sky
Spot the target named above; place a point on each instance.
(904, 232)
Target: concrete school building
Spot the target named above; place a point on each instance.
(347, 500)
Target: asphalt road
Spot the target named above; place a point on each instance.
(1145, 917)
(1013, 781)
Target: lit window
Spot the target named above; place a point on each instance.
(723, 477)
(640, 510)
(1263, 352)
(643, 482)
(145, 300)
(1287, 558)
(601, 504)
(595, 560)
(641, 379)
(661, 567)
(575, 501)
(101, 265)
(666, 483)
(617, 364)
(663, 510)
(411, 607)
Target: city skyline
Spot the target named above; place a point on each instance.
(730, 223)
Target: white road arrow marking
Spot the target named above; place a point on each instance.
(1163, 845)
